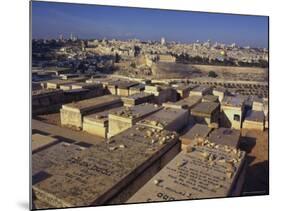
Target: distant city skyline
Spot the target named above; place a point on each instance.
(50, 19)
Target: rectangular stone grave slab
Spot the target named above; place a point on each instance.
(206, 112)
(186, 103)
(126, 117)
(197, 131)
(167, 118)
(200, 172)
(107, 171)
(58, 154)
(137, 99)
(56, 83)
(72, 113)
(40, 142)
(86, 86)
(200, 91)
(225, 136)
(97, 124)
(254, 120)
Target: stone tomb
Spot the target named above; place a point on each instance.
(167, 118)
(40, 142)
(107, 172)
(184, 90)
(200, 172)
(56, 83)
(162, 93)
(186, 103)
(200, 91)
(137, 99)
(123, 88)
(197, 131)
(112, 86)
(66, 87)
(68, 76)
(258, 104)
(225, 136)
(126, 117)
(45, 100)
(91, 86)
(219, 92)
(232, 112)
(136, 89)
(206, 113)
(73, 95)
(254, 120)
(210, 98)
(72, 114)
(97, 124)
(57, 154)
(266, 122)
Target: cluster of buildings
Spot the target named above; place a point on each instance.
(99, 55)
(118, 140)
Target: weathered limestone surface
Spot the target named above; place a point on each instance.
(200, 91)
(266, 121)
(186, 103)
(184, 90)
(201, 172)
(254, 120)
(41, 141)
(72, 113)
(136, 89)
(56, 83)
(232, 112)
(73, 95)
(162, 93)
(58, 154)
(167, 118)
(99, 174)
(197, 131)
(137, 99)
(46, 100)
(206, 112)
(210, 98)
(97, 124)
(126, 117)
(220, 93)
(86, 86)
(124, 87)
(258, 104)
(225, 136)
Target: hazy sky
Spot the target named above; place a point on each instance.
(92, 21)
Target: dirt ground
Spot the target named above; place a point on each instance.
(176, 70)
(255, 143)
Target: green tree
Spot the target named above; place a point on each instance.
(212, 74)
